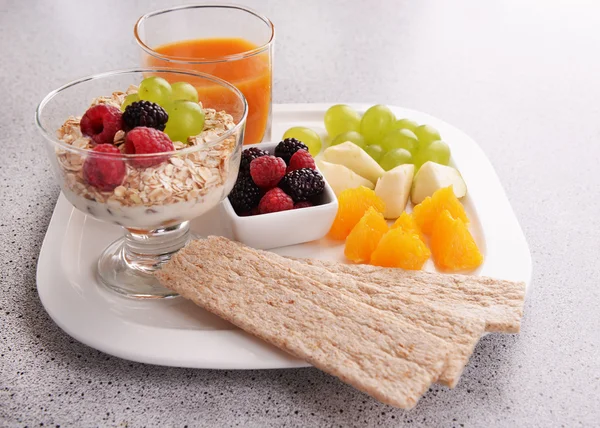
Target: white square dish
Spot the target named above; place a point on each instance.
(174, 332)
(284, 228)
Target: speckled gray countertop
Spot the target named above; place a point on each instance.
(522, 78)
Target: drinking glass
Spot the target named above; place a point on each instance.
(227, 41)
(156, 194)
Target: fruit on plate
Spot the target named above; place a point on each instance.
(400, 249)
(375, 151)
(427, 134)
(452, 245)
(341, 177)
(309, 137)
(432, 177)
(287, 147)
(267, 171)
(405, 124)
(365, 236)
(426, 212)
(355, 158)
(267, 184)
(351, 136)
(375, 123)
(275, 200)
(302, 184)
(352, 205)
(400, 139)
(341, 118)
(407, 223)
(394, 158)
(394, 189)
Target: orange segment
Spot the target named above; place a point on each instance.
(352, 205)
(400, 249)
(407, 223)
(427, 211)
(365, 236)
(452, 244)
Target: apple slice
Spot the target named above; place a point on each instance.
(433, 176)
(341, 177)
(355, 158)
(394, 188)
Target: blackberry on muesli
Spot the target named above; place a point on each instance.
(145, 113)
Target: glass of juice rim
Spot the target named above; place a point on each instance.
(230, 42)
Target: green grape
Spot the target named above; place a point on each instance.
(437, 152)
(395, 157)
(131, 98)
(186, 119)
(184, 91)
(400, 139)
(352, 136)
(341, 118)
(307, 136)
(426, 135)
(375, 151)
(376, 123)
(405, 124)
(156, 90)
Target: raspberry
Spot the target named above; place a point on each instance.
(245, 195)
(303, 184)
(105, 172)
(267, 171)
(101, 122)
(275, 200)
(144, 113)
(248, 156)
(303, 204)
(301, 159)
(142, 140)
(286, 148)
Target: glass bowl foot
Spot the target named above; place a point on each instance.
(127, 266)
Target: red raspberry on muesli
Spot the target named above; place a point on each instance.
(101, 122)
(143, 140)
(103, 171)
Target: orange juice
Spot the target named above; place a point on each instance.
(251, 74)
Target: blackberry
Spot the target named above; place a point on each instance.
(245, 195)
(288, 147)
(248, 156)
(303, 184)
(145, 113)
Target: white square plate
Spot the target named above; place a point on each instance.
(177, 333)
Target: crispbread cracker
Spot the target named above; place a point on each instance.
(461, 333)
(498, 302)
(370, 349)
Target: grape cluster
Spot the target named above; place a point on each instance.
(390, 141)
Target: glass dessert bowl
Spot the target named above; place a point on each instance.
(114, 162)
